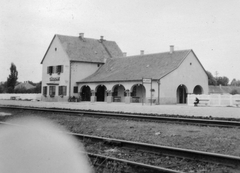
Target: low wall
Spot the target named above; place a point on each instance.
(18, 96)
(215, 99)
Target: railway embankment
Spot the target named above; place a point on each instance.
(202, 138)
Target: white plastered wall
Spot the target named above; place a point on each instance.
(54, 58)
(126, 85)
(190, 73)
(79, 71)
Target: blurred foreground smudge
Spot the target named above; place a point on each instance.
(36, 145)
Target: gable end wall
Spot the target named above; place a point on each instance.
(53, 58)
(186, 74)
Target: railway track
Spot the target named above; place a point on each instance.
(194, 121)
(109, 164)
(103, 162)
(232, 161)
(228, 160)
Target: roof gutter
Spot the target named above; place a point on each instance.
(114, 81)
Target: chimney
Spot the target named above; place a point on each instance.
(142, 52)
(101, 39)
(171, 49)
(81, 35)
(124, 54)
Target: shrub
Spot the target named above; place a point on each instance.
(234, 91)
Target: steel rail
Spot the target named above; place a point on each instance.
(160, 149)
(166, 150)
(220, 123)
(140, 167)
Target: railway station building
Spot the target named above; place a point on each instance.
(96, 70)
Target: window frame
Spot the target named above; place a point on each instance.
(50, 70)
(62, 90)
(75, 89)
(44, 90)
(52, 90)
(59, 69)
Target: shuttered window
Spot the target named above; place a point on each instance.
(62, 90)
(49, 69)
(45, 90)
(52, 90)
(59, 69)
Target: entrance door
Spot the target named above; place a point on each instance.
(181, 94)
(101, 93)
(86, 93)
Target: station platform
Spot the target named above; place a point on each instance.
(181, 109)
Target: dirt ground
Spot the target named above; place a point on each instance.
(209, 139)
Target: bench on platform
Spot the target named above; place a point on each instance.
(236, 102)
(135, 99)
(151, 100)
(201, 102)
(116, 99)
(14, 98)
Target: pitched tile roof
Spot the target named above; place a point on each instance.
(25, 85)
(87, 49)
(135, 68)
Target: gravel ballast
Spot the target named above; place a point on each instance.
(203, 138)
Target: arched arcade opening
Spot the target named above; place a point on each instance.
(198, 90)
(101, 93)
(85, 93)
(182, 94)
(118, 93)
(138, 93)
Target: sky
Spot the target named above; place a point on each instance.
(211, 28)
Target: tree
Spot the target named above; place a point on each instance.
(211, 79)
(20, 90)
(12, 78)
(38, 87)
(235, 82)
(222, 80)
(1, 88)
(234, 91)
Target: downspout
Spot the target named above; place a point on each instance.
(158, 91)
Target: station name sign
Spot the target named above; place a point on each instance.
(146, 80)
(54, 78)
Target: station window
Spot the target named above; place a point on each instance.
(62, 90)
(59, 69)
(45, 90)
(52, 90)
(50, 70)
(75, 89)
